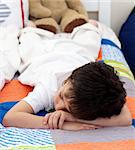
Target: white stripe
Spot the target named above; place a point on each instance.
(3, 6)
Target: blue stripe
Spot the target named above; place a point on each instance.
(108, 42)
(2, 21)
(6, 106)
(100, 61)
(4, 15)
(3, 7)
(6, 12)
(133, 122)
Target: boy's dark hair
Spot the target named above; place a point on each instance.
(98, 92)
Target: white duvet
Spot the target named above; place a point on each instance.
(9, 56)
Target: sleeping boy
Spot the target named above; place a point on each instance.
(62, 68)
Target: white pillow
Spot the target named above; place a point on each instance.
(14, 12)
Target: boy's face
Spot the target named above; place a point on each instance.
(61, 100)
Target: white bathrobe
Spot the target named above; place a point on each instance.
(48, 59)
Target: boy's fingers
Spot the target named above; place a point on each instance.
(56, 118)
(96, 126)
(46, 118)
(90, 127)
(61, 121)
(50, 121)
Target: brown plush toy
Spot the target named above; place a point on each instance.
(49, 14)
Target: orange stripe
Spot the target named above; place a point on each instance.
(14, 90)
(131, 105)
(114, 145)
(99, 55)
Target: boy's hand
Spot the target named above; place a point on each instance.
(76, 126)
(56, 119)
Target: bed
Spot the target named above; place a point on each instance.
(115, 138)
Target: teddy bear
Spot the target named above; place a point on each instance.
(57, 15)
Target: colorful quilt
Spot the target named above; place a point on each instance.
(112, 138)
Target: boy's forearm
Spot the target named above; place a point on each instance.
(113, 121)
(124, 119)
(24, 120)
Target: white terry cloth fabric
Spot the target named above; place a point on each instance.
(48, 59)
(9, 56)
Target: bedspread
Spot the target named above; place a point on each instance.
(113, 138)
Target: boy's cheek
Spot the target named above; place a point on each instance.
(60, 105)
(56, 102)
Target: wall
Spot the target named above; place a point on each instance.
(120, 10)
(116, 11)
(93, 15)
